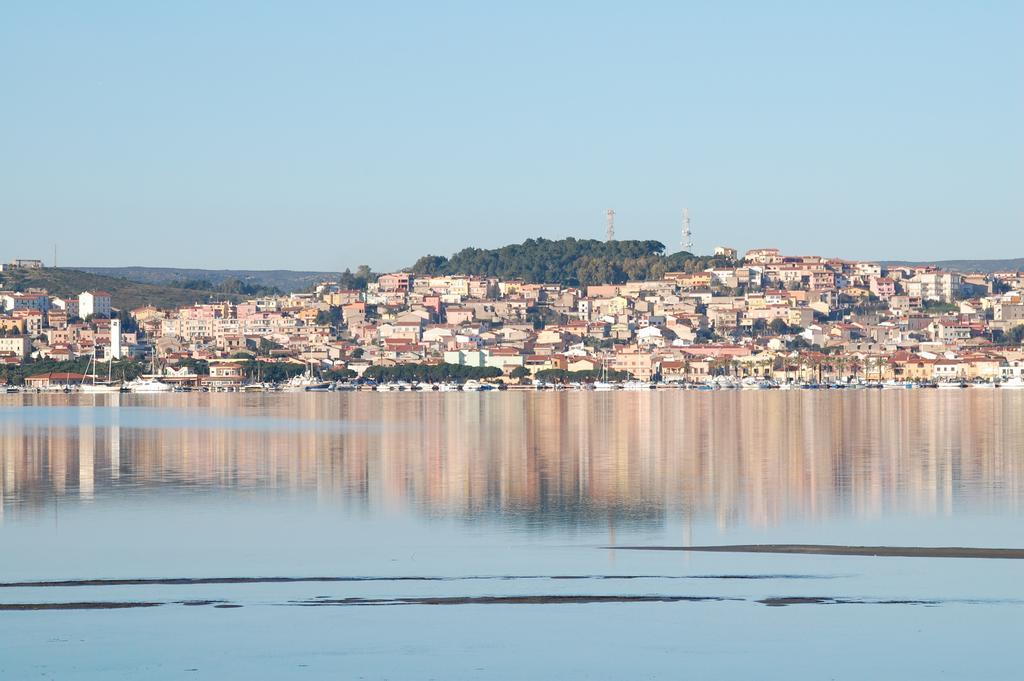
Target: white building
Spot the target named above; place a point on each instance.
(96, 303)
(940, 286)
(69, 305)
(25, 301)
(115, 339)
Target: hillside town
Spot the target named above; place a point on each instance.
(768, 320)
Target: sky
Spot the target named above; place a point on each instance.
(324, 135)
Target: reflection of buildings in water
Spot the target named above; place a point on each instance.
(545, 458)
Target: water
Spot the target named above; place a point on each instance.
(434, 501)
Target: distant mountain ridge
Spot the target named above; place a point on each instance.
(285, 280)
(468, 261)
(985, 266)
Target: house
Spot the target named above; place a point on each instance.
(54, 380)
(504, 358)
(225, 373)
(473, 358)
(635, 361)
(883, 287)
(394, 283)
(94, 303)
(15, 346)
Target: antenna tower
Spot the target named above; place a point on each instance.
(687, 242)
(610, 229)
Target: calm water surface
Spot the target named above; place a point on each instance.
(434, 500)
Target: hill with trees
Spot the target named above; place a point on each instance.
(125, 294)
(570, 262)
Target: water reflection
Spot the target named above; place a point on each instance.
(544, 459)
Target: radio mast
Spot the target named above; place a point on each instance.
(687, 242)
(609, 234)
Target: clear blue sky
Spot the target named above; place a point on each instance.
(320, 135)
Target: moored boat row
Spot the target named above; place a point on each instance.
(308, 383)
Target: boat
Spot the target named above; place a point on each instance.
(1015, 383)
(305, 382)
(892, 383)
(148, 385)
(97, 387)
(476, 386)
(602, 383)
(751, 383)
(637, 385)
(947, 385)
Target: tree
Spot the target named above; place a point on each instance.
(519, 373)
(128, 323)
(430, 265)
(329, 317)
(778, 327)
(1015, 336)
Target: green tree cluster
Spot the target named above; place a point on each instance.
(120, 370)
(430, 373)
(570, 262)
(271, 372)
(589, 376)
(230, 285)
(329, 317)
(357, 281)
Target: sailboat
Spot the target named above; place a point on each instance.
(604, 383)
(108, 386)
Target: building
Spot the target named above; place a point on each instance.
(1008, 312)
(54, 380)
(394, 283)
(22, 264)
(883, 287)
(17, 346)
(115, 339)
(225, 374)
(94, 303)
(68, 305)
(940, 286)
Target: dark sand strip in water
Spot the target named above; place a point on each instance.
(87, 605)
(190, 581)
(828, 600)
(505, 600)
(840, 550)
